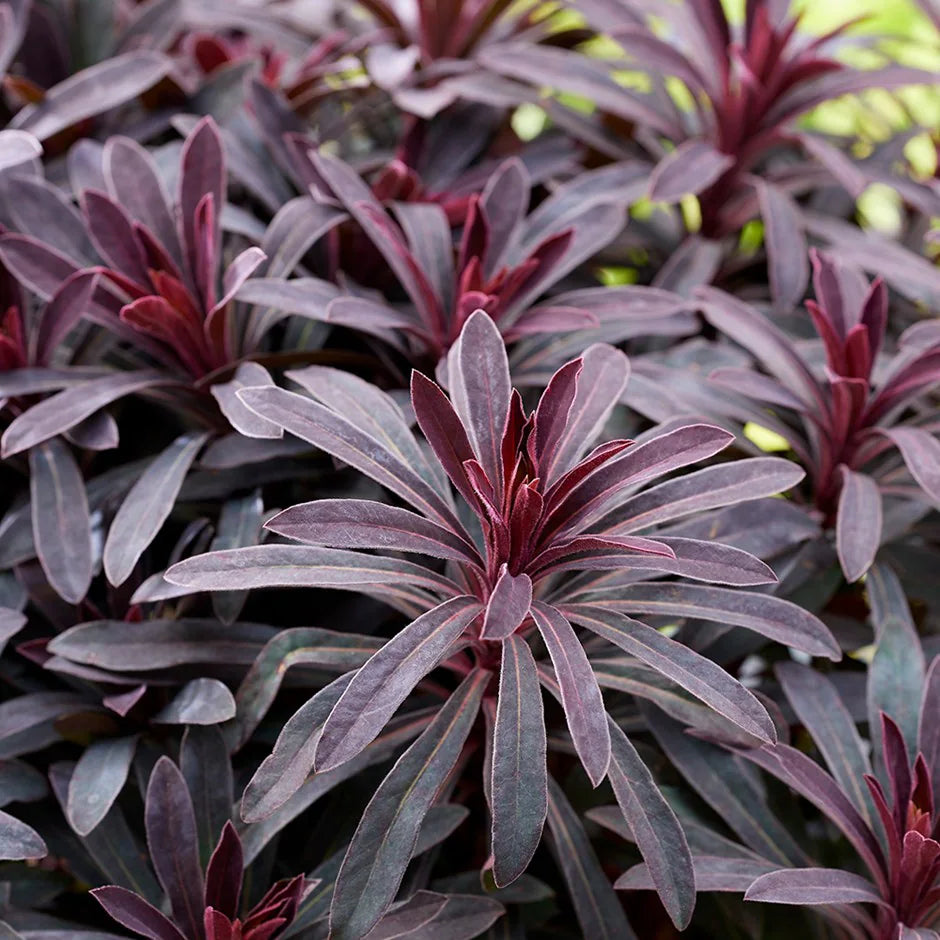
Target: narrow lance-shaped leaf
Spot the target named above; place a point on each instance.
(519, 780)
(147, 506)
(858, 523)
(478, 374)
(381, 848)
(224, 873)
(773, 617)
(813, 886)
(700, 676)
(174, 844)
(207, 769)
(386, 680)
(239, 525)
(655, 828)
(786, 245)
(708, 488)
(283, 772)
(580, 694)
(608, 369)
(720, 780)
(823, 713)
(300, 566)
(597, 906)
(93, 91)
(896, 673)
(362, 523)
(61, 521)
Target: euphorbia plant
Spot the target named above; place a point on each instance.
(539, 508)
(880, 797)
(845, 424)
(732, 138)
(506, 260)
(203, 907)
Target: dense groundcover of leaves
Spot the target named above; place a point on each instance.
(470, 468)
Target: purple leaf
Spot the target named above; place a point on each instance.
(159, 644)
(598, 908)
(11, 622)
(386, 680)
(112, 232)
(69, 407)
(709, 488)
(99, 777)
(174, 844)
(429, 237)
(507, 607)
(241, 268)
(693, 166)
(444, 431)
(858, 523)
(300, 566)
(657, 832)
(808, 779)
(147, 506)
(61, 521)
(478, 373)
(63, 311)
(93, 91)
(202, 173)
(224, 873)
(823, 713)
(842, 167)
(813, 886)
(134, 183)
(362, 523)
(519, 783)
(580, 693)
(136, 914)
(700, 676)
(762, 388)
(409, 917)
(594, 400)
(381, 848)
(786, 246)
(705, 561)
(551, 416)
(284, 770)
(896, 672)
(712, 873)
(504, 201)
(207, 769)
(720, 780)
(773, 617)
